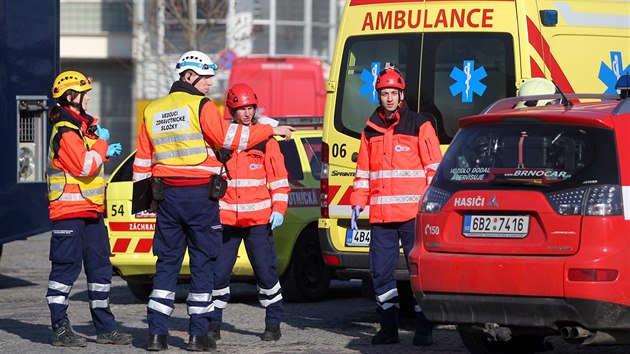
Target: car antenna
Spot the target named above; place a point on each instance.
(565, 101)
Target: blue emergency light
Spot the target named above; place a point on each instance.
(549, 17)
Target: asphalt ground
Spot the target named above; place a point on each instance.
(343, 323)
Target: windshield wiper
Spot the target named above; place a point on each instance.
(517, 182)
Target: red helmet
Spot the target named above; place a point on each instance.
(390, 78)
(241, 95)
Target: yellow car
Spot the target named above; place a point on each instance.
(303, 274)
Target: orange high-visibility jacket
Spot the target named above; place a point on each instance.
(259, 186)
(79, 154)
(216, 131)
(395, 164)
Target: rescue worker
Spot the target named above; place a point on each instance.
(175, 149)
(254, 205)
(77, 151)
(398, 156)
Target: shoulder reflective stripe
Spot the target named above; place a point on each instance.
(626, 201)
(244, 138)
(140, 176)
(60, 300)
(199, 297)
(177, 138)
(280, 197)
(361, 184)
(198, 310)
(397, 174)
(219, 304)
(161, 308)
(142, 162)
(395, 199)
(279, 184)
(91, 158)
(99, 287)
(162, 294)
(246, 182)
(220, 292)
(388, 295)
(275, 299)
(362, 174)
(59, 286)
(180, 153)
(246, 207)
(271, 291)
(99, 304)
(229, 137)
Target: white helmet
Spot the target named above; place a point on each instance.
(536, 86)
(196, 61)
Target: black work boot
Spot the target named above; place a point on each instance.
(272, 332)
(387, 335)
(201, 343)
(64, 336)
(215, 331)
(424, 330)
(157, 342)
(114, 337)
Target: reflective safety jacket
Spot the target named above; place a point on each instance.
(170, 146)
(259, 186)
(76, 184)
(396, 161)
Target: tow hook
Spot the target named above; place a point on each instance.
(496, 333)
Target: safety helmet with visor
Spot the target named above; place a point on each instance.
(533, 87)
(196, 61)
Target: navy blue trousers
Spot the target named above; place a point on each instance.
(76, 243)
(261, 252)
(186, 219)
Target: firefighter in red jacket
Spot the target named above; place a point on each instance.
(175, 148)
(398, 156)
(254, 204)
(78, 149)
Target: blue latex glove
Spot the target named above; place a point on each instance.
(114, 150)
(356, 210)
(276, 219)
(103, 132)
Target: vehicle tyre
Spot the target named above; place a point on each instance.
(307, 278)
(140, 290)
(477, 343)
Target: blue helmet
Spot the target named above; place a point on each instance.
(623, 83)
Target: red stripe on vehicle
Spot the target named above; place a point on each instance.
(332, 192)
(345, 200)
(541, 46)
(536, 70)
(144, 245)
(121, 245)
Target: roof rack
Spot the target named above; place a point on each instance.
(510, 102)
(301, 121)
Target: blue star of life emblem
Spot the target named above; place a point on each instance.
(369, 79)
(610, 75)
(468, 81)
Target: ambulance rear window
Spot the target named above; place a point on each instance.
(529, 155)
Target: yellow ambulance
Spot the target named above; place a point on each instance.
(457, 58)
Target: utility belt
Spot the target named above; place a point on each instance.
(216, 188)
